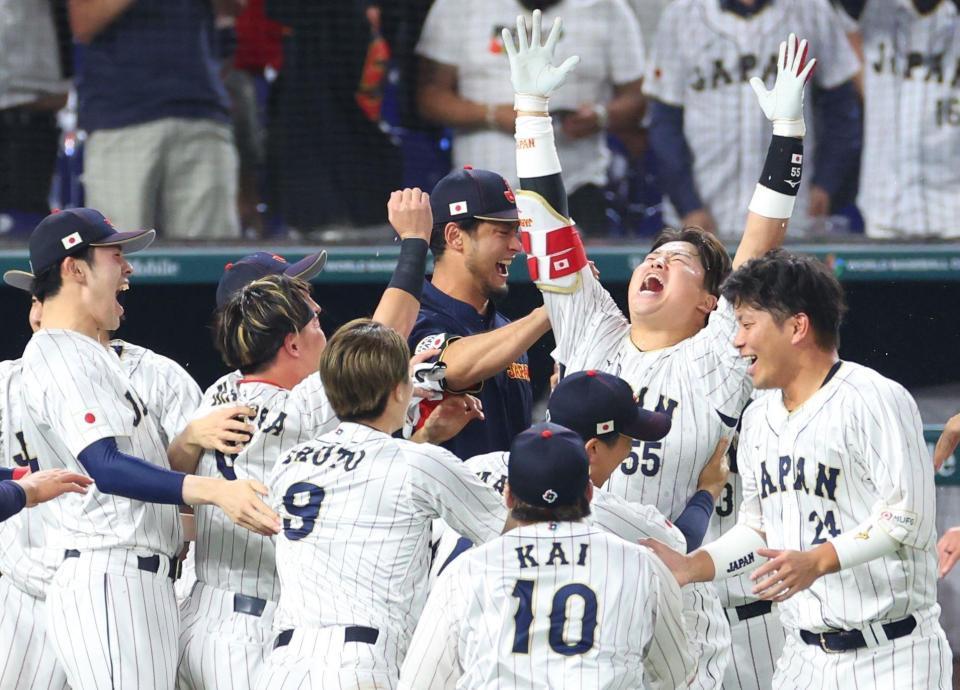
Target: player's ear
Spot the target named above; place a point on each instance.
(71, 269)
(801, 328)
(453, 236)
(291, 343)
(508, 496)
(708, 303)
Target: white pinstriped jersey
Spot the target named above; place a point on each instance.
(233, 558)
(357, 506)
(911, 152)
(702, 60)
(852, 450)
(699, 382)
(73, 393)
(170, 393)
(550, 605)
(23, 558)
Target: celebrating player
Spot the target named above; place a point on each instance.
(268, 331)
(357, 506)
(676, 348)
(838, 494)
(554, 599)
(113, 588)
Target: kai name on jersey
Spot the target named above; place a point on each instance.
(532, 555)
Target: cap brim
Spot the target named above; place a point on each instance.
(22, 280)
(647, 426)
(133, 241)
(510, 214)
(308, 267)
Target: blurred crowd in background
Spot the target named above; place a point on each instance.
(221, 120)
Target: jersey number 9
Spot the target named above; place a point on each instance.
(302, 502)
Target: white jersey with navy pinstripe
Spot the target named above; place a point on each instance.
(230, 557)
(170, 393)
(823, 469)
(702, 60)
(701, 383)
(911, 149)
(357, 506)
(74, 392)
(549, 605)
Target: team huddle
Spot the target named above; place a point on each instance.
(717, 499)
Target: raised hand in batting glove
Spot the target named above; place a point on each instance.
(783, 105)
(532, 72)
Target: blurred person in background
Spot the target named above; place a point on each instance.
(35, 63)
(910, 179)
(160, 151)
(332, 163)
(704, 129)
(461, 85)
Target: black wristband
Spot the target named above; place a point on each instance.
(411, 267)
(784, 165)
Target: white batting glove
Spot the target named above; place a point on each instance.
(783, 106)
(532, 72)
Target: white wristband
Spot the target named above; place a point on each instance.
(735, 552)
(529, 103)
(862, 544)
(790, 128)
(536, 149)
(771, 204)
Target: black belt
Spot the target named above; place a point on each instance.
(757, 608)
(848, 640)
(352, 633)
(252, 606)
(151, 564)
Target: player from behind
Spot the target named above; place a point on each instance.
(838, 494)
(556, 602)
(111, 611)
(357, 506)
(267, 330)
(675, 350)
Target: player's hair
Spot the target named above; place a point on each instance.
(361, 366)
(438, 239)
(48, 282)
(524, 512)
(713, 255)
(783, 284)
(249, 330)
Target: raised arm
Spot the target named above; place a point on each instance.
(776, 191)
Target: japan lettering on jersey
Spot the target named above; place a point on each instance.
(549, 605)
(853, 450)
(230, 557)
(74, 393)
(702, 61)
(357, 506)
(701, 383)
(911, 153)
(170, 393)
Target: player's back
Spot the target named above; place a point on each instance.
(554, 605)
(230, 557)
(357, 506)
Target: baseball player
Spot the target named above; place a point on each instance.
(555, 602)
(357, 506)
(112, 595)
(838, 494)
(675, 351)
(909, 175)
(267, 330)
(27, 564)
(602, 409)
(704, 132)
(948, 548)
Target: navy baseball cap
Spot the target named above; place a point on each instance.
(593, 403)
(548, 466)
(65, 232)
(255, 266)
(471, 193)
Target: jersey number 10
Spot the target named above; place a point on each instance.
(523, 619)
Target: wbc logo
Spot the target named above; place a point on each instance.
(549, 495)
